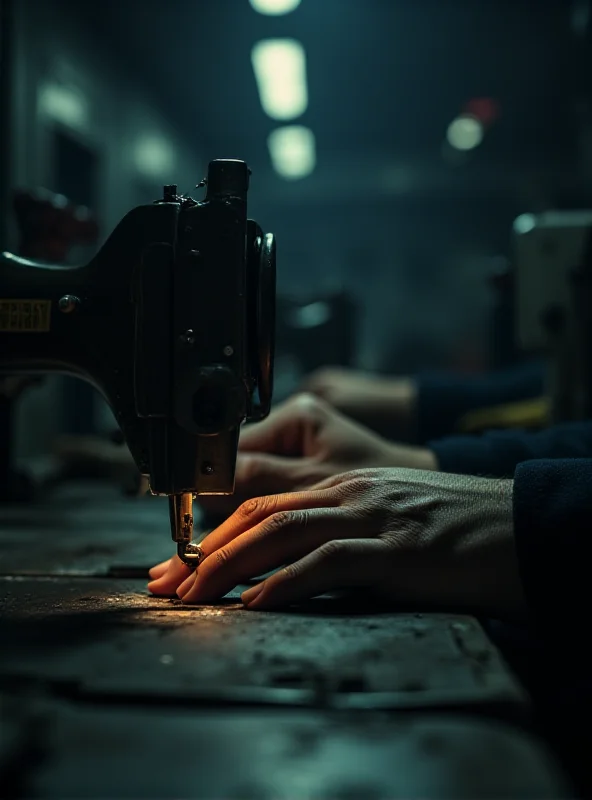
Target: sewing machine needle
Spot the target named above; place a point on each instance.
(181, 514)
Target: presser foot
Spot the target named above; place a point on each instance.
(190, 554)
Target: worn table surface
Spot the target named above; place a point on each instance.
(84, 529)
(144, 697)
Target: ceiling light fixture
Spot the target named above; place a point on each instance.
(154, 156)
(280, 71)
(293, 151)
(465, 132)
(274, 8)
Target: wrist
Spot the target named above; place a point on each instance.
(494, 552)
(411, 457)
(424, 459)
(396, 403)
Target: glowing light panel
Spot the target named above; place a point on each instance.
(280, 71)
(154, 156)
(274, 8)
(293, 151)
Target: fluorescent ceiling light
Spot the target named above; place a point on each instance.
(274, 7)
(154, 156)
(292, 150)
(280, 71)
(64, 104)
(465, 132)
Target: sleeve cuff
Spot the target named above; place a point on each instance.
(489, 456)
(553, 531)
(442, 397)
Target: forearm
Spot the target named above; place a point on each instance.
(411, 457)
(390, 409)
(441, 399)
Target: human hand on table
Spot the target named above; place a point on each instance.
(384, 403)
(302, 442)
(404, 535)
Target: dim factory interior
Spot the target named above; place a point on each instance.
(295, 399)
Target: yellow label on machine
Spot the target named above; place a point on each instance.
(25, 316)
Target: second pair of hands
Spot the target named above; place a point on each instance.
(330, 505)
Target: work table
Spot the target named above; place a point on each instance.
(109, 692)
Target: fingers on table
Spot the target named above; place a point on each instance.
(168, 576)
(263, 534)
(269, 436)
(282, 538)
(159, 569)
(168, 582)
(255, 511)
(337, 564)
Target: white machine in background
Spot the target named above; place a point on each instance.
(553, 280)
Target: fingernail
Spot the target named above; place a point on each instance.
(186, 586)
(250, 594)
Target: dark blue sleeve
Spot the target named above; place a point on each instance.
(497, 453)
(553, 530)
(443, 398)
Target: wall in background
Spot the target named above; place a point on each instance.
(68, 85)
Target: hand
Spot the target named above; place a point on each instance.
(405, 535)
(384, 404)
(305, 441)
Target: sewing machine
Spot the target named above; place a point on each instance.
(48, 226)
(173, 322)
(553, 271)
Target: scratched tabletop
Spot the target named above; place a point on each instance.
(106, 691)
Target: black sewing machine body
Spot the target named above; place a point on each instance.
(172, 321)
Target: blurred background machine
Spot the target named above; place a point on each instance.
(48, 227)
(311, 333)
(553, 258)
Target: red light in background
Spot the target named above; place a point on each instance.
(485, 109)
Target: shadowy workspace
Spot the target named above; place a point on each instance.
(295, 399)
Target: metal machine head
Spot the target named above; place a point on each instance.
(214, 370)
(173, 321)
(204, 359)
